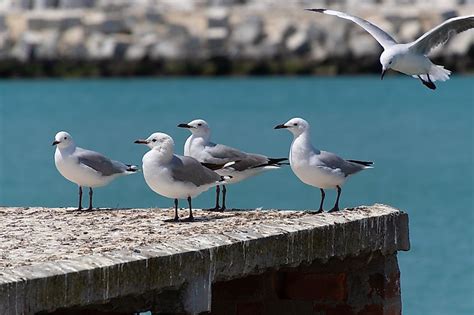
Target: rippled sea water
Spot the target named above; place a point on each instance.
(421, 142)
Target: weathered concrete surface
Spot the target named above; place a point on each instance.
(190, 256)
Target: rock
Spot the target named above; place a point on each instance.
(113, 6)
(217, 17)
(100, 46)
(3, 25)
(5, 45)
(53, 21)
(122, 43)
(336, 41)
(278, 33)
(47, 48)
(217, 40)
(175, 49)
(44, 4)
(298, 43)
(114, 25)
(364, 45)
(24, 48)
(460, 45)
(410, 30)
(76, 4)
(136, 52)
(21, 4)
(248, 32)
(448, 14)
(108, 24)
(72, 44)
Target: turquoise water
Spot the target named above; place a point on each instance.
(420, 140)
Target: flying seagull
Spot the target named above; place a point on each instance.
(174, 176)
(223, 159)
(315, 167)
(411, 58)
(84, 167)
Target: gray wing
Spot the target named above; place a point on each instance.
(188, 169)
(215, 156)
(442, 33)
(380, 35)
(333, 161)
(221, 154)
(98, 162)
(250, 161)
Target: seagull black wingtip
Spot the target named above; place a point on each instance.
(316, 10)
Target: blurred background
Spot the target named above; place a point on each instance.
(212, 37)
(112, 71)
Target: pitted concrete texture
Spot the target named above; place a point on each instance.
(59, 258)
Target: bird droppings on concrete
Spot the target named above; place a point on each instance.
(30, 235)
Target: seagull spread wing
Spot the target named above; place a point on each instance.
(441, 34)
(381, 36)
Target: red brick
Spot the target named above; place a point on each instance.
(377, 284)
(392, 287)
(325, 309)
(314, 286)
(373, 309)
(247, 287)
(393, 309)
(250, 308)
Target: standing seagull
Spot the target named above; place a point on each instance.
(411, 58)
(174, 176)
(84, 167)
(223, 159)
(318, 168)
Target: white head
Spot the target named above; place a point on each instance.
(295, 125)
(198, 127)
(387, 59)
(63, 140)
(158, 141)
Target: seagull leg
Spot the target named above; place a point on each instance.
(190, 218)
(336, 205)
(80, 199)
(428, 83)
(217, 207)
(176, 218)
(90, 198)
(323, 194)
(224, 190)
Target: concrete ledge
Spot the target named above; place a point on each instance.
(261, 241)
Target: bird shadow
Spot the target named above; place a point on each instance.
(213, 216)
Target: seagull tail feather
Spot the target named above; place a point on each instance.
(131, 168)
(224, 179)
(365, 164)
(437, 73)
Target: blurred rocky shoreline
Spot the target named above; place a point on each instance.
(167, 37)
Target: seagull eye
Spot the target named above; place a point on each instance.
(295, 124)
(199, 124)
(154, 140)
(65, 138)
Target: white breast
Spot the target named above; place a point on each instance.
(307, 168)
(77, 173)
(412, 64)
(158, 178)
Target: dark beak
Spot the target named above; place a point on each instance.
(141, 141)
(185, 126)
(383, 73)
(282, 126)
(56, 142)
